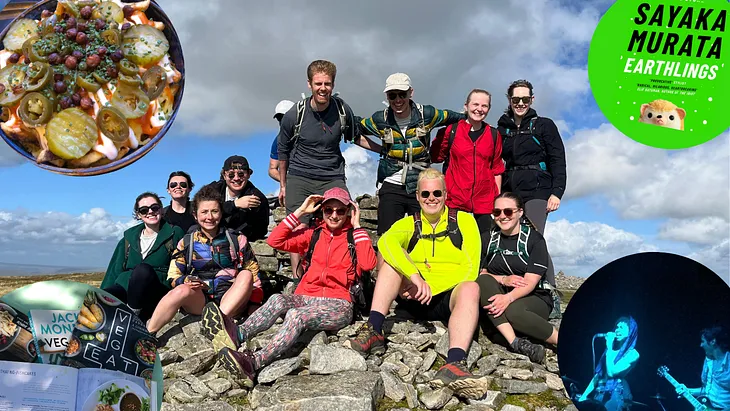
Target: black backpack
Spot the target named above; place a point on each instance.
(452, 230)
(452, 134)
(362, 290)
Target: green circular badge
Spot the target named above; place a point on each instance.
(659, 70)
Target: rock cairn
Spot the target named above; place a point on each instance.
(320, 374)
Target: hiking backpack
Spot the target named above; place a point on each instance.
(362, 289)
(302, 106)
(525, 231)
(452, 230)
(452, 134)
(188, 248)
(388, 137)
(541, 166)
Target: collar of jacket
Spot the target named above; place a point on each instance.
(443, 219)
(343, 229)
(415, 116)
(133, 234)
(507, 120)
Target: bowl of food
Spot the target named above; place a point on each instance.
(8, 329)
(108, 299)
(74, 347)
(89, 86)
(146, 351)
(130, 402)
(92, 316)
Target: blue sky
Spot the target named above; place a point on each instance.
(229, 102)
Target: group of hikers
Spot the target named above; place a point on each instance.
(453, 245)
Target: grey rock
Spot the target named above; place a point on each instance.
(346, 391)
(475, 352)
(477, 407)
(527, 365)
(488, 364)
(504, 354)
(442, 346)
(418, 340)
(193, 365)
(428, 359)
(261, 249)
(279, 214)
(521, 387)
(554, 382)
(208, 406)
(180, 392)
(236, 392)
(371, 215)
(258, 394)
(453, 403)
(319, 339)
(176, 341)
(193, 328)
(270, 264)
(570, 407)
(328, 359)
(510, 407)
(278, 369)
(220, 385)
(350, 330)
(197, 386)
(552, 366)
(373, 365)
(393, 386)
(411, 396)
(436, 399)
(514, 373)
(493, 399)
(168, 357)
(370, 203)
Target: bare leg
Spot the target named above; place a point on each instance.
(237, 296)
(296, 267)
(387, 287)
(553, 339)
(182, 296)
(464, 306)
(507, 331)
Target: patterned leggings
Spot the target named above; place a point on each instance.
(302, 313)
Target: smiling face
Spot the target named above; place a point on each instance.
(431, 195)
(149, 211)
(521, 101)
(178, 187)
(335, 214)
(477, 107)
(321, 86)
(236, 178)
(208, 215)
(621, 331)
(506, 206)
(399, 100)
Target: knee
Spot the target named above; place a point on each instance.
(143, 272)
(244, 277)
(180, 293)
(293, 316)
(468, 293)
(275, 299)
(488, 284)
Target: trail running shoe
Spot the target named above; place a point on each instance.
(535, 352)
(367, 341)
(240, 364)
(457, 377)
(218, 328)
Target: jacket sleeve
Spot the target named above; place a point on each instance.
(472, 246)
(392, 245)
(115, 266)
(440, 145)
(555, 156)
(286, 133)
(497, 162)
(366, 259)
(441, 117)
(178, 264)
(284, 238)
(368, 127)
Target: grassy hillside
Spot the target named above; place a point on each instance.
(8, 284)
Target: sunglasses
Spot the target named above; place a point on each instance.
(145, 210)
(507, 212)
(182, 184)
(392, 95)
(427, 194)
(525, 100)
(239, 173)
(339, 211)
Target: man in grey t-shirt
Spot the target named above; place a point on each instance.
(310, 161)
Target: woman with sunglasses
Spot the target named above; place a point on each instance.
(212, 264)
(512, 279)
(138, 268)
(179, 213)
(322, 300)
(471, 151)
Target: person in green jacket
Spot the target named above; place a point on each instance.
(137, 271)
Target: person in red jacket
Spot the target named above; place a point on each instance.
(474, 160)
(321, 301)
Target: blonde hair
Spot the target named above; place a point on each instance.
(431, 174)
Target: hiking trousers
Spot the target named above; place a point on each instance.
(536, 211)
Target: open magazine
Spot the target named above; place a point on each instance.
(30, 386)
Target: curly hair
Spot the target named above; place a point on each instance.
(207, 193)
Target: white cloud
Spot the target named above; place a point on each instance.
(716, 258)
(361, 170)
(705, 231)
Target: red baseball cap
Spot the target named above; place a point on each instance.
(339, 194)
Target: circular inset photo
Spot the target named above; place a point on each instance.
(657, 70)
(87, 88)
(649, 331)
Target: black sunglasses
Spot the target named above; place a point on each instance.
(507, 212)
(392, 95)
(183, 184)
(340, 211)
(427, 194)
(145, 210)
(239, 173)
(525, 100)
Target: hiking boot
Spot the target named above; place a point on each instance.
(240, 364)
(367, 341)
(218, 328)
(535, 352)
(457, 377)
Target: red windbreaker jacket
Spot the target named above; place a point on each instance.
(472, 166)
(330, 273)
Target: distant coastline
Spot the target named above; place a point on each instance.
(13, 270)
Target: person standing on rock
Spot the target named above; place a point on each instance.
(281, 108)
(431, 262)
(534, 158)
(471, 151)
(322, 300)
(512, 280)
(212, 264)
(405, 130)
(179, 212)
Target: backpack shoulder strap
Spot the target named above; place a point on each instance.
(232, 245)
(452, 134)
(343, 116)
(525, 232)
(454, 231)
(351, 247)
(126, 254)
(188, 247)
(495, 132)
(416, 232)
(493, 243)
(301, 106)
(419, 106)
(310, 250)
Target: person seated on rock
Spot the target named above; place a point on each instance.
(512, 280)
(212, 263)
(138, 268)
(322, 300)
(431, 262)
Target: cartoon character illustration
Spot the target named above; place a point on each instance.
(663, 113)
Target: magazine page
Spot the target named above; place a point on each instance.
(16, 336)
(28, 386)
(107, 390)
(52, 331)
(109, 335)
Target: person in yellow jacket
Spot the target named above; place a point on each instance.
(431, 264)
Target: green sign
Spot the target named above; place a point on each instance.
(659, 70)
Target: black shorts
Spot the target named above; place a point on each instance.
(437, 310)
(395, 204)
(299, 188)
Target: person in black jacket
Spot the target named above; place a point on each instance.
(179, 212)
(534, 158)
(246, 209)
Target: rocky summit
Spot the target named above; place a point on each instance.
(319, 373)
